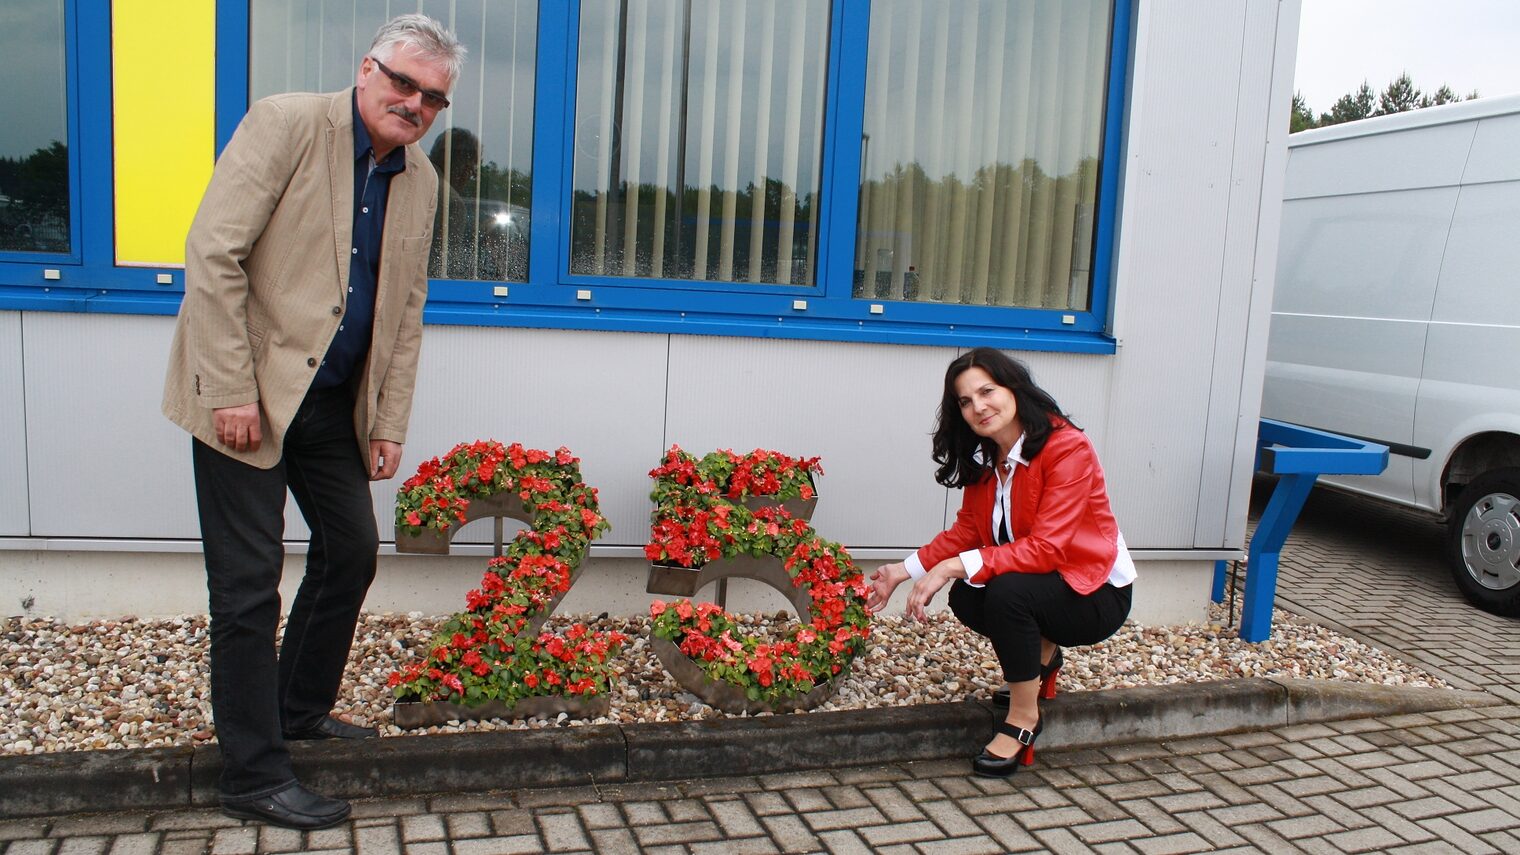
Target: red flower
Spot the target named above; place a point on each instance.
(695, 520)
(534, 571)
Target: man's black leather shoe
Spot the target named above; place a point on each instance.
(293, 807)
(332, 728)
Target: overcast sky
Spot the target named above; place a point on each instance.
(1467, 44)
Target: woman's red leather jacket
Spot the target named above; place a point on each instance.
(1060, 518)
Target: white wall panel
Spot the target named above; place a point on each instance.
(1084, 386)
(1246, 274)
(866, 409)
(118, 468)
(15, 517)
(599, 394)
(1174, 223)
(1258, 315)
(1080, 384)
(104, 461)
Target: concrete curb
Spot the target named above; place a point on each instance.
(174, 778)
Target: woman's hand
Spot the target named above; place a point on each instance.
(930, 583)
(883, 582)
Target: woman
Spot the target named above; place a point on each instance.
(1035, 556)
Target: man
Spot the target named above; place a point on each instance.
(292, 367)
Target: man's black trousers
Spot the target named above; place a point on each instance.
(259, 692)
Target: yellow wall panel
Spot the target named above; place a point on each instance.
(164, 100)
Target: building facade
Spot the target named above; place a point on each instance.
(712, 223)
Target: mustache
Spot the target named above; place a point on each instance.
(403, 112)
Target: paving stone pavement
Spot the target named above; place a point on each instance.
(1441, 782)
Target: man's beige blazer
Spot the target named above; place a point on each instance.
(266, 277)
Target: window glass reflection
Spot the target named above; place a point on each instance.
(34, 152)
(481, 146)
(983, 121)
(698, 128)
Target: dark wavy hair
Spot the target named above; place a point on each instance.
(956, 445)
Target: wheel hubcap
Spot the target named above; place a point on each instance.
(1491, 541)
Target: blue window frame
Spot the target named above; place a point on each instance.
(87, 278)
(36, 219)
(553, 296)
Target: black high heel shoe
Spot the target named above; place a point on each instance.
(990, 765)
(1047, 681)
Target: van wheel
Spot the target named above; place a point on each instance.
(1484, 542)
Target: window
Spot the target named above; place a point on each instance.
(481, 145)
(898, 171)
(698, 138)
(979, 153)
(34, 152)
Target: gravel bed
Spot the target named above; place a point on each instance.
(132, 683)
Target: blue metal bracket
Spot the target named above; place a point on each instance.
(1297, 455)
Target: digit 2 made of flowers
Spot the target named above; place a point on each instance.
(700, 515)
(494, 651)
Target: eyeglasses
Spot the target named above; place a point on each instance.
(406, 87)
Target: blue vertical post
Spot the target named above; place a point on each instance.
(233, 34)
(1266, 545)
(553, 141)
(1219, 577)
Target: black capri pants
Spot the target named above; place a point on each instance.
(1015, 610)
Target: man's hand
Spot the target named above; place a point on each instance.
(384, 459)
(884, 581)
(238, 427)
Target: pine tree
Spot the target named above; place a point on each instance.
(1401, 96)
(1350, 107)
(1444, 95)
(1302, 118)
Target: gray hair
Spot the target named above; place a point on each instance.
(423, 34)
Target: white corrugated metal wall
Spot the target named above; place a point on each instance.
(14, 517)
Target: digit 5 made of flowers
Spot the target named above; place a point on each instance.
(495, 649)
(731, 507)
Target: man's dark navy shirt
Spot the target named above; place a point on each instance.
(371, 186)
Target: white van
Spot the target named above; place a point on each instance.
(1396, 318)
